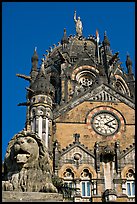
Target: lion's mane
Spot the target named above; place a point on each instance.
(35, 175)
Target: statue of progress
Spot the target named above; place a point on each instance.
(78, 23)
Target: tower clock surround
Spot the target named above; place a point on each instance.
(105, 123)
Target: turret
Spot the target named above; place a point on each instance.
(41, 98)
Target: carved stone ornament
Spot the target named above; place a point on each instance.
(27, 165)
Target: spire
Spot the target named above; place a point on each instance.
(35, 56)
(34, 60)
(129, 64)
(65, 38)
(106, 45)
(34, 69)
(106, 40)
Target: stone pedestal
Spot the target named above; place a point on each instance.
(13, 196)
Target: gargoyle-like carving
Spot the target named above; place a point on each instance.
(27, 165)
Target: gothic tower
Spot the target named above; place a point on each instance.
(81, 103)
(40, 97)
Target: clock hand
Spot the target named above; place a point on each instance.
(109, 121)
(109, 126)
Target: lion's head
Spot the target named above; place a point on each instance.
(27, 164)
(25, 150)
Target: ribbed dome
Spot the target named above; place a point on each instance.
(77, 46)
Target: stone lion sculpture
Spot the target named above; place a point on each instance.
(27, 165)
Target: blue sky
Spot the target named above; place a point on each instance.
(26, 25)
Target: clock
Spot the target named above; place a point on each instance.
(105, 123)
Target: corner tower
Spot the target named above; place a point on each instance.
(40, 98)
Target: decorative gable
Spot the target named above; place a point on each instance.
(128, 156)
(104, 96)
(77, 154)
(100, 93)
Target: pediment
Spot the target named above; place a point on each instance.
(102, 93)
(70, 154)
(107, 93)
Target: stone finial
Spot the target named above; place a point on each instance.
(129, 64)
(35, 56)
(106, 40)
(77, 136)
(64, 39)
(34, 69)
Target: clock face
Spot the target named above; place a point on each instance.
(105, 123)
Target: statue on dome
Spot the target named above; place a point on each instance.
(78, 23)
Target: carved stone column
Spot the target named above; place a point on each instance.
(97, 157)
(77, 197)
(117, 160)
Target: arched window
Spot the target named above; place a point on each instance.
(130, 183)
(86, 183)
(33, 119)
(40, 110)
(69, 181)
(121, 85)
(85, 79)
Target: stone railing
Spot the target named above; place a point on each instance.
(14, 196)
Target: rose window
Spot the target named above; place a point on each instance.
(85, 81)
